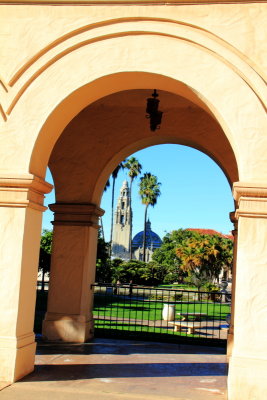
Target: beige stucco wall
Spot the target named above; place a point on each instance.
(59, 60)
(221, 36)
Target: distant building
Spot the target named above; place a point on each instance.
(122, 232)
(122, 223)
(153, 242)
(210, 232)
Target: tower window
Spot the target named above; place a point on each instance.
(122, 219)
(122, 205)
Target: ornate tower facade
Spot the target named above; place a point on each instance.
(122, 225)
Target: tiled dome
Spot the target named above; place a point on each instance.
(153, 241)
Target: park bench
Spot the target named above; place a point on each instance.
(193, 316)
(191, 326)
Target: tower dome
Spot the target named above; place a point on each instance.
(153, 241)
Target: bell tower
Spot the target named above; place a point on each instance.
(122, 224)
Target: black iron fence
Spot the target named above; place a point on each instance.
(42, 285)
(162, 313)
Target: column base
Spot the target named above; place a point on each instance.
(16, 357)
(247, 379)
(68, 328)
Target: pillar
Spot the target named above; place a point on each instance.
(21, 207)
(70, 299)
(230, 338)
(248, 361)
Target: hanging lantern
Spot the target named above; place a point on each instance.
(152, 111)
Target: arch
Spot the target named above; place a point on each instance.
(177, 71)
(43, 94)
(113, 28)
(98, 89)
(115, 126)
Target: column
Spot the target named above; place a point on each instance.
(21, 207)
(230, 338)
(248, 361)
(70, 299)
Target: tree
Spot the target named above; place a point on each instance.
(149, 192)
(154, 273)
(107, 185)
(129, 270)
(45, 253)
(134, 168)
(137, 271)
(166, 255)
(103, 265)
(204, 256)
(227, 255)
(114, 177)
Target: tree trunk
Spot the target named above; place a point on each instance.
(102, 228)
(131, 220)
(144, 236)
(112, 214)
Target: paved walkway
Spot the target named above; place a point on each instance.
(123, 370)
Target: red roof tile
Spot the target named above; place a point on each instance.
(210, 232)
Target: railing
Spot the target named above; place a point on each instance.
(175, 314)
(42, 285)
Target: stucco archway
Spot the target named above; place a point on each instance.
(82, 159)
(42, 94)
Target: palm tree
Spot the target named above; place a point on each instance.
(149, 192)
(114, 177)
(134, 168)
(205, 254)
(107, 185)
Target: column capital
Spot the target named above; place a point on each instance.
(251, 199)
(83, 214)
(234, 220)
(245, 189)
(23, 190)
(232, 217)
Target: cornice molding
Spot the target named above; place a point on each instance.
(251, 200)
(252, 190)
(25, 190)
(75, 214)
(25, 181)
(122, 2)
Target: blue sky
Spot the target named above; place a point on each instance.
(194, 192)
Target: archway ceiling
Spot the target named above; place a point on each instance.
(112, 128)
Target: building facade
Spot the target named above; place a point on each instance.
(121, 238)
(122, 225)
(152, 242)
(74, 79)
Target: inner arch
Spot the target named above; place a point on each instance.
(74, 106)
(113, 127)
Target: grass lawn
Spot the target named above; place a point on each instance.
(127, 309)
(139, 314)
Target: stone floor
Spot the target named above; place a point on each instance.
(123, 370)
